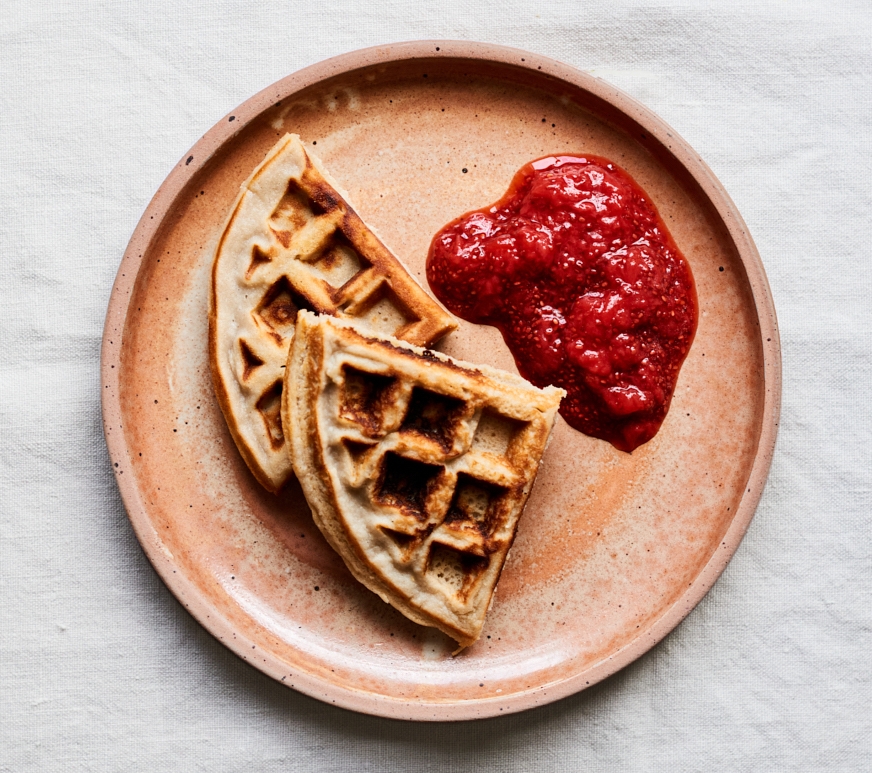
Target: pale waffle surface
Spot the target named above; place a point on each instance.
(416, 466)
(292, 241)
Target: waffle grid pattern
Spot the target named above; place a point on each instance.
(310, 264)
(291, 243)
(441, 473)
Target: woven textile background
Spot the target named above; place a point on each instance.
(102, 670)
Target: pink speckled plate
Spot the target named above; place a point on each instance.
(613, 549)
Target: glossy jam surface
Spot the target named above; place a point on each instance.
(576, 269)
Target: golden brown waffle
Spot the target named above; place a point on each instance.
(292, 241)
(416, 466)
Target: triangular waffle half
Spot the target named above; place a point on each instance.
(416, 466)
(292, 241)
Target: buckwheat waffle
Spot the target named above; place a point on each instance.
(416, 466)
(292, 241)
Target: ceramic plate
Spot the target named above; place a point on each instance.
(613, 549)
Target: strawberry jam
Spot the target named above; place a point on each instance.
(576, 269)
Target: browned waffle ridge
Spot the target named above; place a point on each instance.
(291, 242)
(416, 466)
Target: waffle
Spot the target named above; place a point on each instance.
(292, 242)
(416, 466)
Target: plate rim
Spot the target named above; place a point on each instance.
(149, 227)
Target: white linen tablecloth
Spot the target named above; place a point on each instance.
(102, 670)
